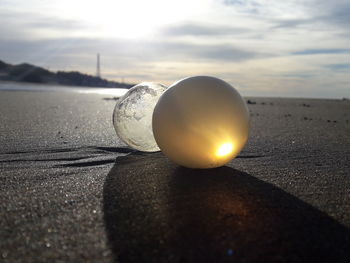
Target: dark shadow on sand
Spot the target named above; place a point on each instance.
(155, 211)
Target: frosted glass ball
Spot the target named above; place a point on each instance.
(201, 122)
(132, 116)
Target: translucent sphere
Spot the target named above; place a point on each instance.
(201, 122)
(132, 117)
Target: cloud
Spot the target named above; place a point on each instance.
(297, 75)
(321, 51)
(291, 23)
(234, 2)
(246, 6)
(56, 24)
(336, 12)
(318, 13)
(26, 25)
(195, 29)
(339, 67)
(128, 49)
(315, 14)
(223, 53)
(34, 20)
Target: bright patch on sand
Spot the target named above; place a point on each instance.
(224, 149)
(101, 91)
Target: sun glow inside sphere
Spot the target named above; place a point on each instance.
(201, 122)
(224, 149)
(132, 116)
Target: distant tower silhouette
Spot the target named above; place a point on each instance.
(98, 68)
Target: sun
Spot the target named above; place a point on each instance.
(129, 18)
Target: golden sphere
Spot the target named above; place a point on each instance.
(201, 122)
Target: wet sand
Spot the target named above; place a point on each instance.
(71, 191)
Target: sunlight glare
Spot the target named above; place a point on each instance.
(224, 149)
(130, 18)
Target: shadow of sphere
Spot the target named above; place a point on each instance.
(155, 211)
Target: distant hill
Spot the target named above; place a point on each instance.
(30, 73)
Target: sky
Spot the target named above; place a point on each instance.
(287, 48)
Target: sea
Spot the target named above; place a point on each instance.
(15, 86)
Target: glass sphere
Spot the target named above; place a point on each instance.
(201, 122)
(132, 116)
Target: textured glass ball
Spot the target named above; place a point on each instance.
(201, 122)
(132, 116)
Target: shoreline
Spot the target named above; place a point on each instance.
(33, 86)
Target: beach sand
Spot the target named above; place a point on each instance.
(72, 192)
